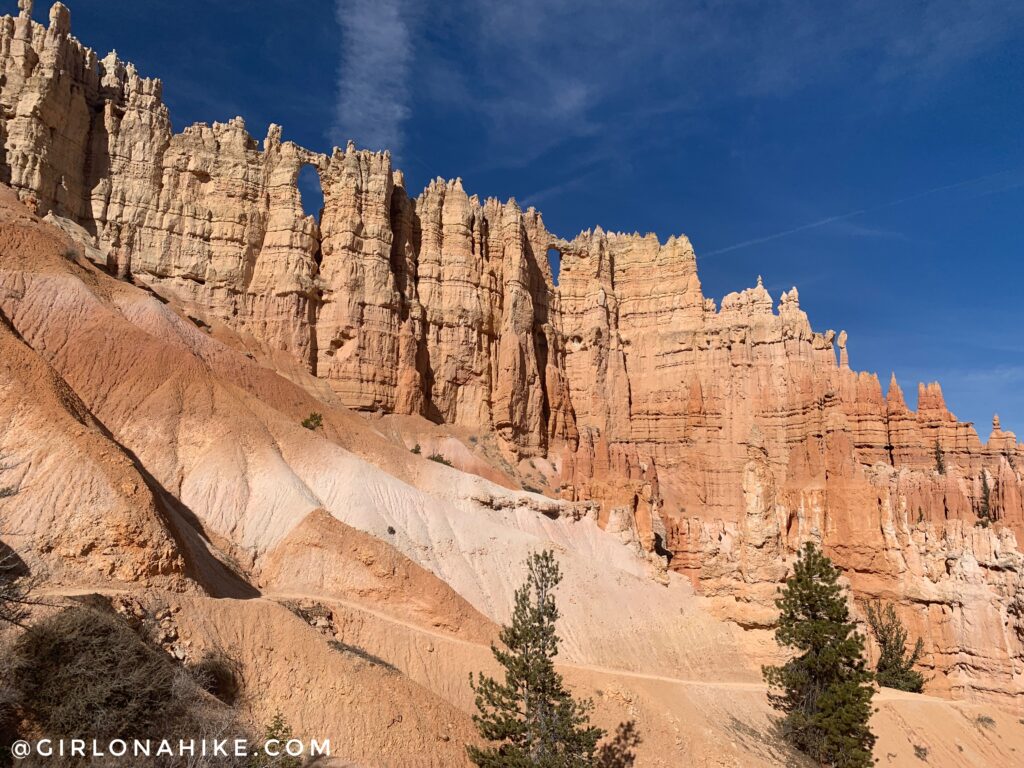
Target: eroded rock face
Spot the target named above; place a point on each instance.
(100, 524)
(206, 214)
(438, 305)
(717, 438)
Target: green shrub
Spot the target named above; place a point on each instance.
(416, 449)
(440, 459)
(313, 421)
(280, 731)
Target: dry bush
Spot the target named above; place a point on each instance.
(16, 587)
(16, 583)
(84, 673)
(219, 675)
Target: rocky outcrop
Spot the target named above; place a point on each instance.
(718, 438)
(437, 305)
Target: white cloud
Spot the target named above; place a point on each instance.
(373, 77)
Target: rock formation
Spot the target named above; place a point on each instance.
(720, 438)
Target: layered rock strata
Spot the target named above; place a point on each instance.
(720, 437)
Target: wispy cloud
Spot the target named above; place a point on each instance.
(537, 74)
(373, 77)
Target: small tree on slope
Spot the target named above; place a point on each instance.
(826, 687)
(531, 718)
(278, 730)
(895, 668)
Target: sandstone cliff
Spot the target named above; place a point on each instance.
(717, 437)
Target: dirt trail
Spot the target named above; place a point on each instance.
(882, 695)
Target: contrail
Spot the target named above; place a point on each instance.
(858, 212)
(777, 235)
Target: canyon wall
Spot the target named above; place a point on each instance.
(721, 437)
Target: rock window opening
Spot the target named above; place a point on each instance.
(311, 193)
(555, 260)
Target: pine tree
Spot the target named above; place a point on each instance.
(826, 687)
(895, 668)
(984, 508)
(530, 718)
(940, 459)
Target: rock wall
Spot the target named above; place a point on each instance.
(720, 437)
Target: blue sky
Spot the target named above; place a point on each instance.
(870, 153)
